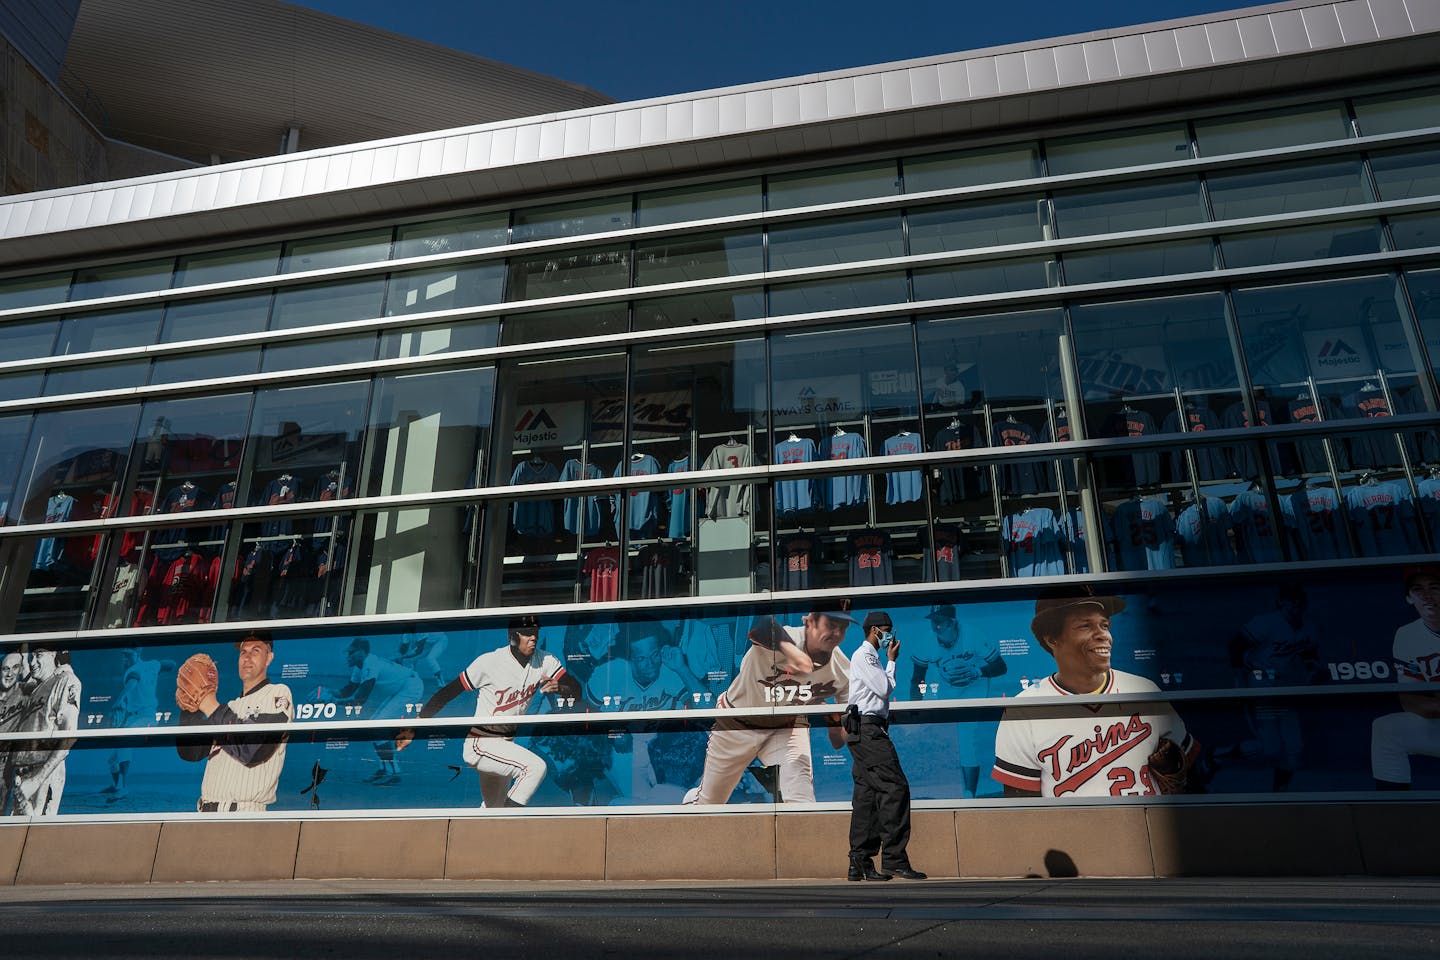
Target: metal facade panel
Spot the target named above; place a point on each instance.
(1424, 14)
(1322, 26)
(1010, 73)
(1225, 44)
(954, 81)
(1131, 57)
(1194, 46)
(732, 113)
(759, 113)
(1356, 23)
(1391, 18)
(1100, 62)
(869, 94)
(1040, 69)
(1163, 51)
(895, 89)
(679, 119)
(980, 71)
(840, 98)
(924, 84)
(1070, 65)
(652, 124)
(1289, 29)
(785, 107)
(1257, 37)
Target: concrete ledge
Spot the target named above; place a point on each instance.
(371, 849)
(815, 845)
(1261, 840)
(1053, 842)
(12, 841)
(232, 851)
(687, 847)
(1392, 842)
(89, 853)
(563, 848)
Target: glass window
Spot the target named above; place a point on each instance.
(86, 378)
(1402, 174)
(13, 431)
(73, 455)
(429, 431)
(841, 240)
(220, 317)
(205, 366)
(25, 341)
(340, 250)
(1160, 365)
(570, 273)
(564, 324)
(720, 306)
(1424, 288)
(833, 185)
(447, 288)
(327, 303)
(978, 279)
(1267, 191)
(1146, 206)
(34, 291)
(842, 293)
(972, 168)
(1124, 148)
(1416, 230)
(1272, 129)
(697, 257)
(415, 559)
(985, 223)
(302, 439)
(1007, 362)
(328, 352)
(689, 398)
(448, 236)
(1313, 349)
(20, 386)
(1301, 243)
(572, 219)
(1397, 112)
(223, 266)
(122, 279)
(439, 338)
(682, 204)
(187, 457)
(90, 332)
(1139, 260)
(288, 568)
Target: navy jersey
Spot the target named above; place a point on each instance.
(1370, 450)
(1073, 528)
(903, 487)
(1210, 462)
(183, 498)
(1204, 532)
(659, 565)
(534, 518)
(1241, 456)
(1430, 504)
(282, 490)
(1032, 542)
(1018, 477)
(1309, 455)
(1383, 516)
(946, 547)
(679, 502)
(581, 508)
(644, 505)
(871, 560)
(798, 557)
(1316, 523)
(1256, 530)
(1143, 534)
(1145, 467)
(795, 496)
(848, 490)
(956, 482)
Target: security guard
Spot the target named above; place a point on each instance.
(880, 807)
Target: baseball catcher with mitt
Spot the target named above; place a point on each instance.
(196, 681)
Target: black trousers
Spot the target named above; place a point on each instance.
(880, 805)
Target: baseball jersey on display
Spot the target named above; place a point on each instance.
(871, 563)
(1369, 450)
(643, 506)
(1204, 532)
(1143, 535)
(1074, 530)
(1316, 523)
(946, 547)
(504, 686)
(1242, 455)
(1383, 515)
(183, 499)
(957, 483)
(1310, 454)
(1018, 477)
(602, 566)
(728, 500)
(578, 507)
(1095, 750)
(679, 502)
(57, 510)
(1135, 423)
(799, 560)
(534, 518)
(1210, 462)
(1430, 503)
(902, 487)
(659, 565)
(794, 496)
(844, 491)
(1032, 542)
(1255, 529)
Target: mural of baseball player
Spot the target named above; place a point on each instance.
(12, 701)
(52, 704)
(1415, 730)
(1106, 749)
(1277, 648)
(135, 706)
(242, 770)
(505, 682)
(384, 688)
(784, 666)
(421, 652)
(959, 665)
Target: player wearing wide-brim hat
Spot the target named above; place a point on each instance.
(1052, 608)
(1415, 729)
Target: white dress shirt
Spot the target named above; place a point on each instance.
(870, 683)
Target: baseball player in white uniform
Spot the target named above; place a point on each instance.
(1093, 750)
(1396, 737)
(1277, 648)
(784, 666)
(136, 706)
(241, 772)
(421, 653)
(384, 689)
(955, 665)
(505, 682)
(52, 704)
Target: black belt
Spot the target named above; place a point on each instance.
(875, 718)
(215, 808)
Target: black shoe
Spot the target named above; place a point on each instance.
(857, 870)
(906, 873)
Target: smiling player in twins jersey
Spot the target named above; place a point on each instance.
(1415, 730)
(1093, 750)
(505, 681)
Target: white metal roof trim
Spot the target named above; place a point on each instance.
(1258, 35)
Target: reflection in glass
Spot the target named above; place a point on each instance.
(13, 432)
(1272, 129)
(1416, 230)
(205, 366)
(220, 317)
(985, 223)
(331, 351)
(1301, 243)
(1397, 112)
(20, 386)
(571, 219)
(1402, 174)
(34, 291)
(679, 204)
(448, 236)
(564, 324)
(90, 332)
(327, 303)
(842, 293)
(429, 431)
(224, 266)
(1128, 148)
(1139, 260)
(439, 338)
(978, 279)
(972, 168)
(447, 288)
(122, 279)
(338, 250)
(697, 257)
(832, 185)
(1157, 203)
(86, 378)
(817, 243)
(1424, 287)
(74, 459)
(416, 559)
(1268, 191)
(721, 306)
(25, 341)
(569, 273)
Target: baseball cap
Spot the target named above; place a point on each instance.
(1413, 573)
(878, 618)
(946, 611)
(835, 610)
(263, 636)
(1057, 601)
(359, 643)
(526, 622)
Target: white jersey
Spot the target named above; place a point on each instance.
(503, 685)
(1277, 653)
(1094, 750)
(763, 670)
(616, 681)
(229, 778)
(941, 662)
(1417, 653)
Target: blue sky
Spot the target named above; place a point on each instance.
(631, 50)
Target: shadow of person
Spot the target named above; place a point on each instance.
(1059, 864)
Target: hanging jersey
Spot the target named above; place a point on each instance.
(659, 565)
(57, 510)
(1032, 543)
(1383, 517)
(1370, 449)
(1243, 462)
(581, 508)
(643, 506)
(1204, 529)
(903, 487)
(1145, 467)
(1074, 530)
(847, 490)
(534, 518)
(1430, 503)
(726, 501)
(1018, 477)
(1316, 523)
(1255, 528)
(799, 560)
(679, 501)
(958, 483)
(602, 566)
(794, 496)
(1144, 535)
(946, 547)
(871, 560)
(1210, 461)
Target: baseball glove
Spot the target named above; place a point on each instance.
(960, 671)
(196, 678)
(1167, 767)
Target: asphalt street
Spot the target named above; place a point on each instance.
(1311, 919)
